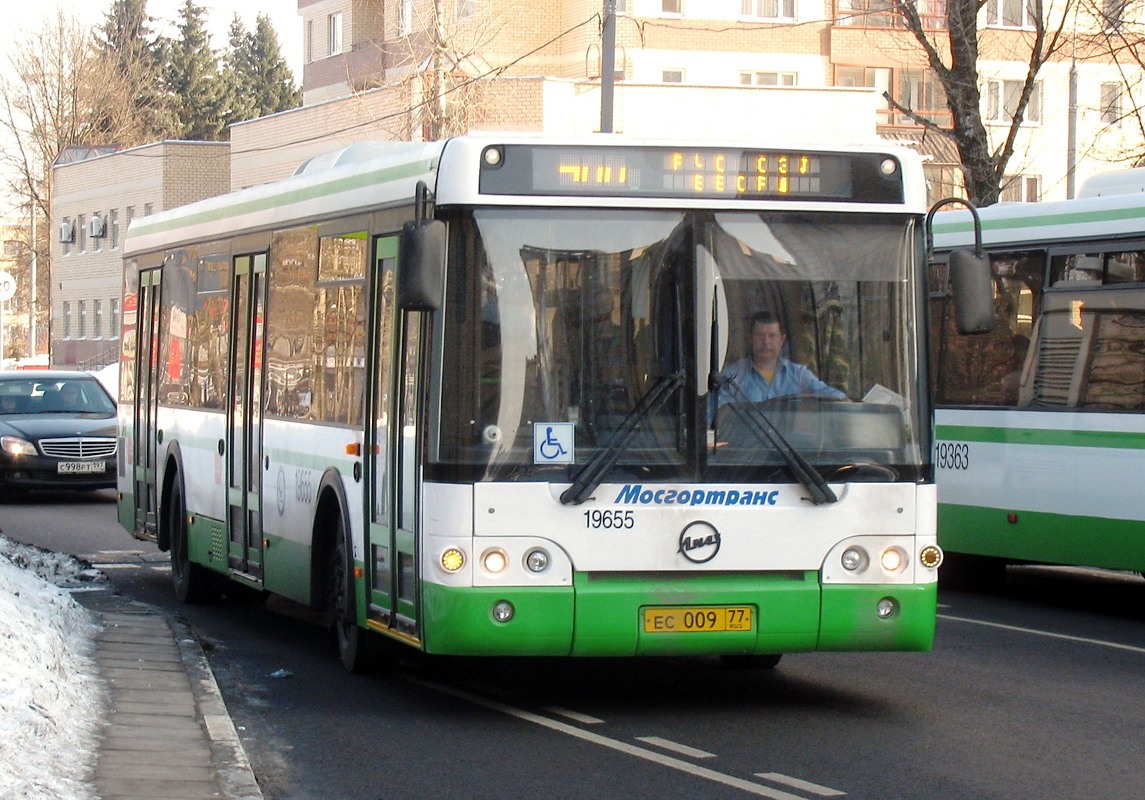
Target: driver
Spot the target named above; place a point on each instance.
(766, 373)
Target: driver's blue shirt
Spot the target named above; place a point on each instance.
(789, 379)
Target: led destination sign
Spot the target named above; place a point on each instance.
(691, 172)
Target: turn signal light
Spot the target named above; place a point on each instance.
(930, 556)
(452, 560)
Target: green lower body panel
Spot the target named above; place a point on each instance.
(604, 615)
(207, 543)
(851, 622)
(1044, 538)
(460, 621)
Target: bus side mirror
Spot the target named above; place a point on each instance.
(973, 291)
(421, 266)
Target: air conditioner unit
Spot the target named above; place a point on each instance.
(67, 232)
(97, 228)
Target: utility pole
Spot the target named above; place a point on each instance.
(32, 286)
(607, 65)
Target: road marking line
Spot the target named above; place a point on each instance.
(796, 783)
(613, 744)
(1047, 634)
(675, 747)
(576, 716)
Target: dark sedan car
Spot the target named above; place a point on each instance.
(57, 431)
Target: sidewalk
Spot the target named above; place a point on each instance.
(168, 735)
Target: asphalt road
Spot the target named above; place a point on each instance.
(1034, 690)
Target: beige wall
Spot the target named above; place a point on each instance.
(87, 273)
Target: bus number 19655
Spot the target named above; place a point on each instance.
(598, 519)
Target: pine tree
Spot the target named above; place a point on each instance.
(258, 79)
(192, 79)
(129, 52)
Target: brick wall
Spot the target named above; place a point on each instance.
(87, 273)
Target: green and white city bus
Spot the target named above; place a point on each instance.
(463, 395)
(1040, 436)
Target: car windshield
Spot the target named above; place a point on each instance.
(62, 396)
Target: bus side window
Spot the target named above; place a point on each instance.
(1076, 269)
(1126, 267)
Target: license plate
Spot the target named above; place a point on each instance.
(698, 619)
(82, 467)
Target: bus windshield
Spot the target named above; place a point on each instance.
(562, 328)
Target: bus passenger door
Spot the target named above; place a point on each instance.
(391, 450)
(144, 443)
(244, 416)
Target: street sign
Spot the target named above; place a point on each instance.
(7, 286)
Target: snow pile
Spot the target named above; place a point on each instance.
(51, 699)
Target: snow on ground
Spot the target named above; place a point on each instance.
(51, 699)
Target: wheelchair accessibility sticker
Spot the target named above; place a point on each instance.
(553, 442)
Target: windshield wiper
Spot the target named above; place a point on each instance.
(590, 477)
(755, 420)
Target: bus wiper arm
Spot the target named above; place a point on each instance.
(590, 477)
(765, 430)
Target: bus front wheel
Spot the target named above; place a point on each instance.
(191, 581)
(357, 647)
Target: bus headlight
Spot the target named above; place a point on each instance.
(537, 560)
(452, 560)
(853, 559)
(494, 560)
(893, 560)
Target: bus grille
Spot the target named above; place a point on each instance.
(80, 447)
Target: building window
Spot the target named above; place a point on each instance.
(1021, 189)
(768, 9)
(1010, 13)
(672, 76)
(921, 92)
(872, 77)
(113, 224)
(1111, 103)
(66, 244)
(405, 18)
(672, 7)
(147, 209)
(81, 233)
(97, 228)
(1002, 102)
(767, 79)
(622, 7)
(97, 319)
(128, 215)
(67, 320)
(466, 9)
(334, 31)
(113, 317)
(309, 41)
(81, 330)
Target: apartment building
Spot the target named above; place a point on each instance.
(96, 194)
(677, 62)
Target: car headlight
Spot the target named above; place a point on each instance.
(17, 446)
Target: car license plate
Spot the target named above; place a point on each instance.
(698, 619)
(81, 467)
